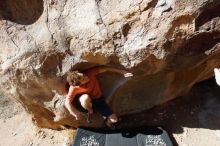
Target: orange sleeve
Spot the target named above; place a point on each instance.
(92, 72)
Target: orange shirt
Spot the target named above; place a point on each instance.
(92, 87)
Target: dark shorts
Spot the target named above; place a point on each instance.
(99, 105)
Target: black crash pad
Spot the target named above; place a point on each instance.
(142, 136)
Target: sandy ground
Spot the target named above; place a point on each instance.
(192, 120)
(17, 128)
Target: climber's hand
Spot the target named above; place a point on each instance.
(128, 74)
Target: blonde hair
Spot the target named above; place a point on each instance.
(73, 78)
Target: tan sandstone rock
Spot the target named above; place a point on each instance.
(169, 45)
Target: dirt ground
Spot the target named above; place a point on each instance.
(192, 120)
(17, 128)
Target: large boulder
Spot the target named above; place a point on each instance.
(169, 45)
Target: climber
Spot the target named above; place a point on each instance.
(84, 94)
(217, 75)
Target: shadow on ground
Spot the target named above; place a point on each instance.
(199, 109)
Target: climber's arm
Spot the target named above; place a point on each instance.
(124, 72)
(68, 104)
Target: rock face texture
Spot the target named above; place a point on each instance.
(169, 45)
